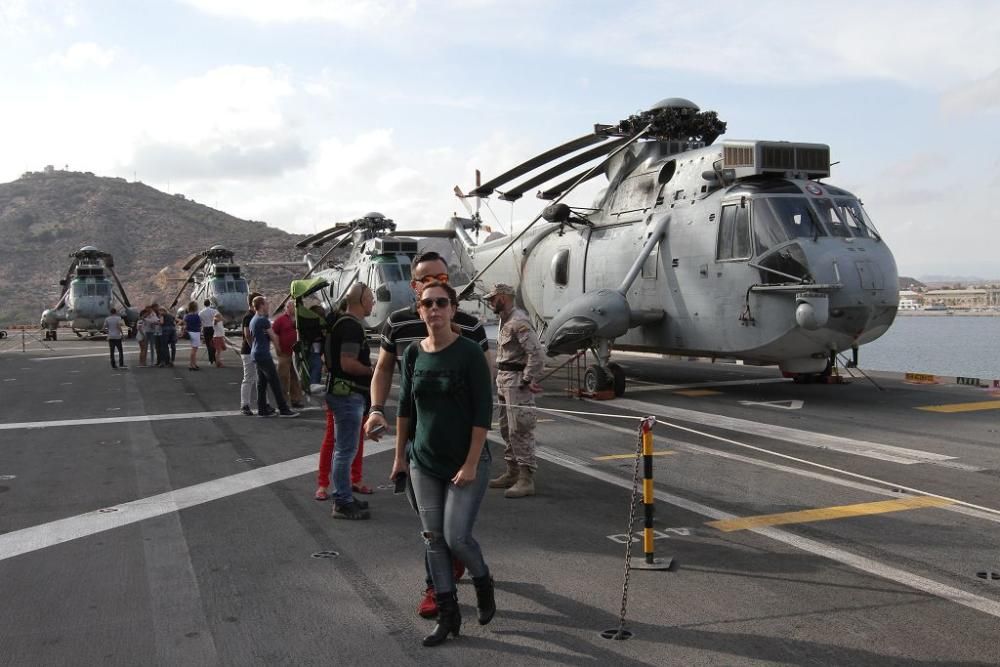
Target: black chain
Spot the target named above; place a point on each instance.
(628, 536)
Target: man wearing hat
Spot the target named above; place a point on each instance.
(520, 362)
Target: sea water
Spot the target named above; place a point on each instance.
(942, 345)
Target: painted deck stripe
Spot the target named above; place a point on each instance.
(124, 420)
(963, 407)
(871, 450)
(828, 513)
(615, 457)
(650, 386)
(694, 393)
(815, 547)
(26, 540)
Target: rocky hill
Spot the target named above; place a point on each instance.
(44, 216)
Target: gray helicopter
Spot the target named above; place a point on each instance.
(377, 257)
(217, 278)
(88, 295)
(733, 250)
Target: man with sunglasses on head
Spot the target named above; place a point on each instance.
(403, 327)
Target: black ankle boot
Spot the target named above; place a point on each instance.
(449, 619)
(486, 603)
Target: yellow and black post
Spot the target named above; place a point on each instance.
(649, 561)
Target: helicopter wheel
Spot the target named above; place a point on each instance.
(3, 334)
(617, 379)
(78, 334)
(597, 378)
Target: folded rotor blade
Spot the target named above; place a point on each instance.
(121, 288)
(329, 234)
(488, 187)
(558, 170)
(558, 188)
(191, 260)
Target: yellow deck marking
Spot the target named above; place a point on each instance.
(828, 513)
(613, 457)
(963, 407)
(697, 392)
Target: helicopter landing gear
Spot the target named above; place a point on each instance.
(79, 334)
(50, 334)
(604, 375)
(3, 334)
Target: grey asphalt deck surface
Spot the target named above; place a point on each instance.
(211, 561)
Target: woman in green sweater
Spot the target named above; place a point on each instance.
(446, 387)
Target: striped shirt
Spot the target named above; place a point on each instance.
(405, 326)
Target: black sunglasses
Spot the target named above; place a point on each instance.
(440, 302)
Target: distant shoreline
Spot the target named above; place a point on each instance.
(948, 313)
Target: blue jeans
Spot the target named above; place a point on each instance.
(447, 514)
(168, 345)
(315, 367)
(267, 374)
(347, 413)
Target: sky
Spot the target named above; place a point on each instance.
(302, 113)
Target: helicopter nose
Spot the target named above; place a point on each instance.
(571, 336)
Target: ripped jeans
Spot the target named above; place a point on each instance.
(447, 514)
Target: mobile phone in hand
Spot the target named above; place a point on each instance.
(400, 481)
(378, 430)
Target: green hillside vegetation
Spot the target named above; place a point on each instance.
(45, 216)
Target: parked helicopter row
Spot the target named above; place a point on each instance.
(732, 250)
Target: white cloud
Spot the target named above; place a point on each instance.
(82, 55)
(980, 95)
(930, 45)
(350, 13)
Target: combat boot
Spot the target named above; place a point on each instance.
(506, 480)
(524, 486)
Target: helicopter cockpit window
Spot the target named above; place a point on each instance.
(240, 286)
(780, 219)
(79, 289)
(855, 217)
(734, 233)
(91, 289)
(832, 217)
(405, 268)
(103, 290)
(390, 273)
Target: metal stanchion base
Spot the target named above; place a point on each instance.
(639, 563)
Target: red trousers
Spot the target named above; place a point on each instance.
(326, 455)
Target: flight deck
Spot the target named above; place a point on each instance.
(143, 520)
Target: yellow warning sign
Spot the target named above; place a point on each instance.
(920, 378)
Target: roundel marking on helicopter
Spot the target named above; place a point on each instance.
(814, 189)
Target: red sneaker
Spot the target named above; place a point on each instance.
(428, 605)
(458, 568)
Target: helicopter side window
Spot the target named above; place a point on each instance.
(780, 219)
(832, 217)
(854, 215)
(734, 233)
(560, 268)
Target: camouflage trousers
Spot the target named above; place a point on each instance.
(517, 425)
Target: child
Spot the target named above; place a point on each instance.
(219, 339)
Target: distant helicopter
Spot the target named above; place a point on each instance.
(377, 258)
(89, 295)
(734, 250)
(217, 278)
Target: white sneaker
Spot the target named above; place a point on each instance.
(317, 388)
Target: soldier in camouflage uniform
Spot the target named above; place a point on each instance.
(520, 362)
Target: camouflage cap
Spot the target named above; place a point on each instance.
(500, 288)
